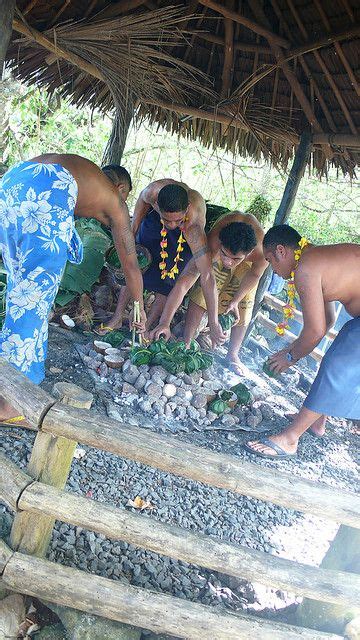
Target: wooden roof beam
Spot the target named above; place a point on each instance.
(252, 47)
(118, 8)
(338, 48)
(228, 56)
(246, 22)
(290, 76)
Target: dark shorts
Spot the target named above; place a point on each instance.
(149, 236)
(336, 388)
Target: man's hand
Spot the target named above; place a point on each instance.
(233, 307)
(162, 330)
(278, 362)
(139, 326)
(217, 335)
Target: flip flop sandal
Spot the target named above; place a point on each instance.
(233, 367)
(13, 422)
(280, 453)
(103, 327)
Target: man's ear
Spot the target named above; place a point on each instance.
(281, 251)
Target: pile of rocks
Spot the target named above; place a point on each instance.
(179, 398)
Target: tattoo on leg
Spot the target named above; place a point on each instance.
(200, 252)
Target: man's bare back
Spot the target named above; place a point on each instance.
(97, 197)
(338, 267)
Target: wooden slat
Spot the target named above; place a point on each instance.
(5, 555)
(139, 607)
(195, 548)
(12, 482)
(197, 463)
(316, 354)
(275, 303)
(24, 395)
(246, 22)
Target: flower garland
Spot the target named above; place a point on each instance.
(171, 273)
(288, 309)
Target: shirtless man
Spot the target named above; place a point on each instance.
(38, 201)
(173, 206)
(323, 275)
(235, 244)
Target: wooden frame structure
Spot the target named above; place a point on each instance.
(36, 495)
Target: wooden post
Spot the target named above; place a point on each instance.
(297, 171)
(7, 8)
(50, 462)
(282, 215)
(116, 144)
(343, 554)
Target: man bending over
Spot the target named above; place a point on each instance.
(238, 263)
(322, 276)
(169, 219)
(38, 201)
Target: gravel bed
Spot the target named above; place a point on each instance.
(192, 505)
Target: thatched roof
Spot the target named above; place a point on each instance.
(246, 75)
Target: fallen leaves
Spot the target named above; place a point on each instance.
(139, 503)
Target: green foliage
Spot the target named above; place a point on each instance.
(260, 207)
(218, 406)
(172, 356)
(242, 393)
(226, 321)
(269, 372)
(213, 213)
(117, 337)
(79, 278)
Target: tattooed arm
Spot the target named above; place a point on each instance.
(196, 238)
(125, 246)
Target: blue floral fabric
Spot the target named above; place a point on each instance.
(37, 237)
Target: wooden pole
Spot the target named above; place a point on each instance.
(296, 173)
(120, 127)
(24, 395)
(158, 612)
(12, 482)
(197, 463)
(195, 548)
(7, 8)
(50, 462)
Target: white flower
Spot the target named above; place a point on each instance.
(36, 213)
(24, 296)
(13, 349)
(39, 167)
(7, 214)
(66, 230)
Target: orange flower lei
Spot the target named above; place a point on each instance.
(171, 273)
(288, 309)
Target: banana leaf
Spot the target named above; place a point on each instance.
(213, 213)
(79, 278)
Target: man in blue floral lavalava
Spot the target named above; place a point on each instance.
(38, 201)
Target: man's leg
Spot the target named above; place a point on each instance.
(116, 320)
(288, 439)
(155, 310)
(193, 318)
(318, 428)
(236, 338)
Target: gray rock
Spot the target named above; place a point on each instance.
(91, 363)
(144, 368)
(129, 388)
(130, 374)
(253, 420)
(152, 389)
(208, 374)
(228, 420)
(192, 413)
(156, 370)
(199, 400)
(140, 382)
(211, 416)
(188, 379)
(267, 410)
(54, 632)
(82, 626)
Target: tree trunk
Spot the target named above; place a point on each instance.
(116, 144)
(7, 8)
(342, 555)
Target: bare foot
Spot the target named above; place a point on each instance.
(317, 428)
(234, 363)
(265, 447)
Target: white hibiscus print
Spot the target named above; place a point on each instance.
(35, 210)
(21, 353)
(39, 167)
(23, 297)
(8, 212)
(67, 181)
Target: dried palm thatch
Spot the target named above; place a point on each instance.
(130, 57)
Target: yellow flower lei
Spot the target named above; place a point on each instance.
(171, 273)
(288, 309)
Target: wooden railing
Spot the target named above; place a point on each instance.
(38, 497)
(273, 302)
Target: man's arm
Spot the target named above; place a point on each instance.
(142, 206)
(125, 246)
(197, 242)
(309, 288)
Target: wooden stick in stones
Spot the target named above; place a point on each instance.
(50, 462)
(139, 607)
(136, 318)
(336, 587)
(12, 482)
(198, 463)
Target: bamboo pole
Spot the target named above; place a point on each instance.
(157, 612)
(336, 587)
(246, 22)
(24, 395)
(197, 463)
(50, 462)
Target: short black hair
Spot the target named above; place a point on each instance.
(173, 197)
(117, 174)
(281, 234)
(238, 236)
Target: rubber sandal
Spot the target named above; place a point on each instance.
(280, 453)
(103, 327)
(13, 422)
